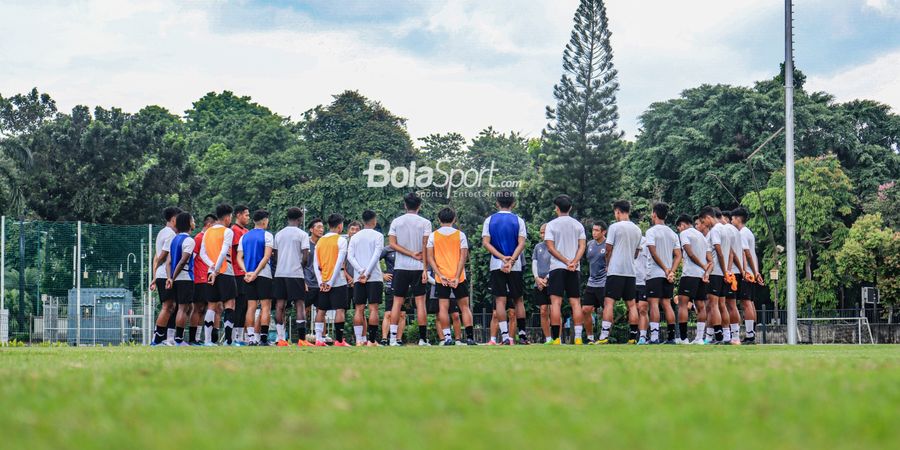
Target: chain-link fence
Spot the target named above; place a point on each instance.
(75, 282)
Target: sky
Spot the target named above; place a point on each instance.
(446, 66)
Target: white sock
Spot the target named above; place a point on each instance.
(170, 334)
(357, 331)
(504, 329)
(736, 330)
(710, 333)
(748, 327)
(208, 319)
(644, 334)
(393, 333)
(494, 339)
(578, 330)
(251, 334)
(701, 328)
(654, 331)
(320, 327)
(239, 334)
(279, 330)
(604, 329)
(447, 334)
(726, 334)
(547, 339)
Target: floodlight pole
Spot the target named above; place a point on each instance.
(790, 213)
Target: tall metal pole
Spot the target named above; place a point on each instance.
(149, 307)
(790, 212)
(78, 287)
(2, 263)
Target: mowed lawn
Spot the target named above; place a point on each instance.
(485, 397)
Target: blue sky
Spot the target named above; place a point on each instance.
(448, 66)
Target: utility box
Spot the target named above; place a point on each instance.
(101, 317)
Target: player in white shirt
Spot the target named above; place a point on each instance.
(693, 249)
(408, 236)
(732, 332)
(752, 277)
(180, 272)
(720, 247)
(665, 256)
(701, 299)
(623, 243)
(166, 296)
(566, 239)
(641, 263)
(291, 253)
(364, 256)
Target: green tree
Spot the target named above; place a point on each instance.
(581, 140)
(865, 256)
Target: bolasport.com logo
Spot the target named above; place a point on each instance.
(440, 180)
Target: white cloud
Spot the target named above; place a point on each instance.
(886, 7)
(878, 80)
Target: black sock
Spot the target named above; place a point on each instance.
(470, 333)
(554, 330)
(671, 329)
(159, 335)
(682, 330)
(423, 333)
(339, 331)
(301, 329)
(229, 324)
(263, 333)
(179, 332)
(373, 333)
(192, 333)
(717, 331)
(171, 323)
(520, 324)
(215, 334)
(633, 331)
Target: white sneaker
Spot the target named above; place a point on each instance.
(168, 343)
(395, 344)
(698, 341)
(424, 343)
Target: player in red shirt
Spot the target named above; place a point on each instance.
(200, 285)
(239, 228)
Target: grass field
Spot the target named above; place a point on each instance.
(519, 397)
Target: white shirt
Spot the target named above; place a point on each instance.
(269, 242)
(565, 232)
(699, 248)
(666, 241)
(718, 234)
(409, 229)
(748, 242)
(625, 237)
(641, 264)
(337, 277)
(496, 264)
(290, 243)
(187, 248)
(163, 241)
(364, 254)
(736, 246)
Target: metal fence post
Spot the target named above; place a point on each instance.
(150, 275)
(763, 323)
(2, 263)
(78, 287)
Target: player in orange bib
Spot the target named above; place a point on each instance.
(448, 250)
(331, 250)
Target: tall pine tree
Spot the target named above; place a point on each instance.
(581, 140)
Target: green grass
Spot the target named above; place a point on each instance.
(485, 397)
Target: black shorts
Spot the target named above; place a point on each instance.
(730, 293)
(372, 293)
(312, 296)
(183, 291)
(565, 283)
(716, 285)
(259, 289)
(541, 297)
(454, 306)
(593, 296)
(201, 292)
(747, 290)
(688, 286)
(511, 284)
(289, 289)
(335, 298)
(164, 294)
(460, 291)
(389, 304)
(241, 293)
(640, 292)
(223, 289)
(660, 288)
(619, 287)
(408, 282)
(701, 291)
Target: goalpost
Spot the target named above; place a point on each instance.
(861, 322)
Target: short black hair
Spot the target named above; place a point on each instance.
(684, 218)
(741, 212)
(171, 212)
(706, 211)
(209, 218)
(563, 202)
(294, 213)
(223, 210)
(601, 224)
(356, 224)
(334, 220)
(312, 223)
(412, 201)
(446, 215)
(183, 222)
(661, 209)
(727, 214)
(368, 215)
(260, 214)
(622, 205)
(241, 208)
(717, 212)
(505, 198)
(695, 218)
